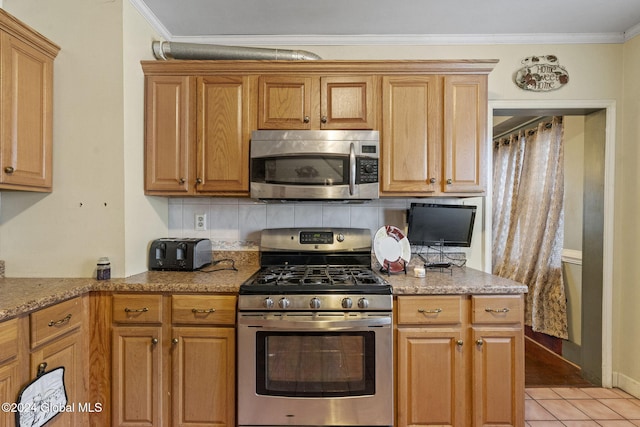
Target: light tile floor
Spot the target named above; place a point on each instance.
(580, 407)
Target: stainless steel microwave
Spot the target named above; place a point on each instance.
(314, 164)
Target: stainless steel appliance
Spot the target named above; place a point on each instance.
(318, 164)
(186, 254)
(315, 333)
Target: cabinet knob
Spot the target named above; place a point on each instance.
(479, 342)
(9, 169)
(306, 119)
(432, 180)
(198, 180)
(323, 119)
(449, 181)
(182, 180)
(154, 340)
(174, 341)
(459, 343)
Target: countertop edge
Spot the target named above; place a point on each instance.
(20, 296)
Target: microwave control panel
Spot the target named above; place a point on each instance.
(367, 170)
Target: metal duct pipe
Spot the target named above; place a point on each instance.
(173, 50)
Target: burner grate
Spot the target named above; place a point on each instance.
(323, 275)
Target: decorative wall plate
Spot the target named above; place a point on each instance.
(541, 74)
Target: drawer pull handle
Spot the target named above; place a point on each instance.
(435, 311)
(61, 321)
(497, 310)
(201, 311)
(136, 310)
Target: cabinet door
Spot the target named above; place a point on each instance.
(430, 375)
(137, 377)
(465, 133)
(288, 102)
(347, 102)
(498, 377)
(411, 135)
(9, 389)
(26, 113)
(169, 133)
(203, 364)
(224, 132)
(67, 352)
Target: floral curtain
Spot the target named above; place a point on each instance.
(528, 221)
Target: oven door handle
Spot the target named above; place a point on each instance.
(331, 325)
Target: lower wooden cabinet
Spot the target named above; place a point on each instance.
(10, 378)
(58, 338)
(459, 361)
(137, 376)
(173, 360)
(203, 376)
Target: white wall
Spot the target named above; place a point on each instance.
(573, 140)
(627, 230)
(145, 218)
(97, 161)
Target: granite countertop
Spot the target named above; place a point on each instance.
(454, 280)
(23, 295)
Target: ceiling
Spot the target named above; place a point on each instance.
(306, 22)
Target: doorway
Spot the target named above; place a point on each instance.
(593, 354)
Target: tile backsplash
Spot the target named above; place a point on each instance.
(235, 223)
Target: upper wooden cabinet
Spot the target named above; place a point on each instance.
(433, 135)
(305, 102)
(26, 107)
(197, 135)
(431, 115)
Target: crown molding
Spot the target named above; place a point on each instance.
(151, 18)
(404, 39)
(632, 32)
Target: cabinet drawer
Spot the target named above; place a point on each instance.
(54, 321)
(203, 309)
(429, 310)
(8, 339)
(132, 308)
(496, 309)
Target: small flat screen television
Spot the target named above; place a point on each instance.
(440, 225)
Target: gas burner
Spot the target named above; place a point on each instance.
(315, 263)
(327, 277)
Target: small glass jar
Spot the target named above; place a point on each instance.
(103, 271)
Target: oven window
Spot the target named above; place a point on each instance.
(315, 364)
(303, 170)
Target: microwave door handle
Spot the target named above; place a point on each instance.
(352, 169)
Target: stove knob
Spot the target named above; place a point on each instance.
(314, 303)
(340, 237)
(284, 302)
(363, 303)
(347, 303)
(268, 302)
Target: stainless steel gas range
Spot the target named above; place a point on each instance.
(315, 333)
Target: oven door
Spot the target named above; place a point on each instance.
(315, 369)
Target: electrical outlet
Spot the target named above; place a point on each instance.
(201, 222)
